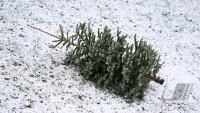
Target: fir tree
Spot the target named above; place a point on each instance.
(111, 63)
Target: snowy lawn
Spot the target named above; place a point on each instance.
(33, 79)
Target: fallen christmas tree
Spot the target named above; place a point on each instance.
(113, 64)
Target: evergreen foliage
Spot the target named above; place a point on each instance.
(111, 63)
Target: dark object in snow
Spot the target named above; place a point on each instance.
(111, 63)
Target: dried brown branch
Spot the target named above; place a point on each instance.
(43, 31)
(156, 79)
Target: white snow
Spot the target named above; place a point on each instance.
(33, 79)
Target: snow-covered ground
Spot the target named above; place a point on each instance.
(33, 79)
